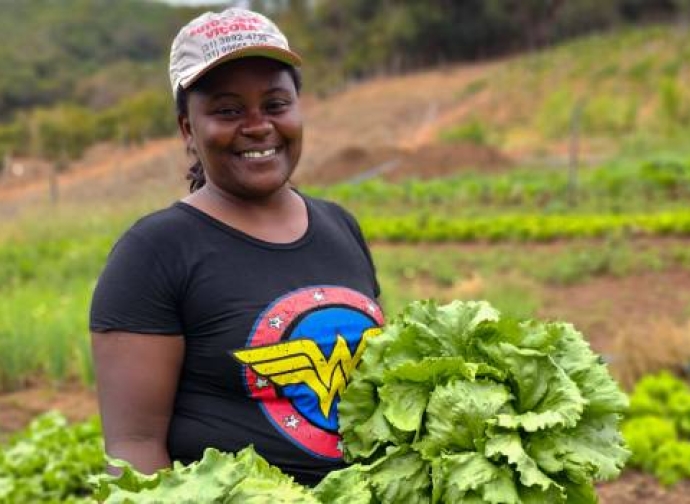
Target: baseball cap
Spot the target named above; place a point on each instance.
(216, 37)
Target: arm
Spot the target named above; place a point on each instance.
(136, 379)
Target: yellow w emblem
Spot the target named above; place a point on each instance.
(302, 361)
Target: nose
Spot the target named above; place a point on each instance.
(256, 125)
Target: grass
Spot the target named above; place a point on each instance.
(49, 262)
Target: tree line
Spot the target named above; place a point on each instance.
(74, 72)
(352, 39)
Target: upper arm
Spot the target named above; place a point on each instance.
(136, 378)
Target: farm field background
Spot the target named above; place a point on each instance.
(464, 193)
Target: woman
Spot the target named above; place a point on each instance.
(236, 315)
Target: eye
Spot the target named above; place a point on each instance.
(277, 106)
(228, 112)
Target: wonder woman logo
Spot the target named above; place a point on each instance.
(299, 359)
(302, 361)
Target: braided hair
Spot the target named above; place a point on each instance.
(196, 174)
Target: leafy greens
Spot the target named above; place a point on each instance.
(454, 403)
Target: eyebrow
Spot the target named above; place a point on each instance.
(230, 94)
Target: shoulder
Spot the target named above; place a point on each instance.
(162, 222)
(331, 216)
(162, 228)
(330, 210)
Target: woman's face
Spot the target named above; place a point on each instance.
(244, 124)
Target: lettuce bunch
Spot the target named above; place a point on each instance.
(243, 478)
(456, 404)
(657, 429)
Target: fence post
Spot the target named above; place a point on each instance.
(574, 151)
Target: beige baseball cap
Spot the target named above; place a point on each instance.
(216, 37)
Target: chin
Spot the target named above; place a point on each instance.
(264, 190)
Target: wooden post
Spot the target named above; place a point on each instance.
(574, 151)
(6, 165)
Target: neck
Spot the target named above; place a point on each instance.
(280, 218)
(212, 195)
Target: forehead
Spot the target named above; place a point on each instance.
(245, 75)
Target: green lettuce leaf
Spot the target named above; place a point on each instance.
(457, 416)
(404, 404)
(471, 477)
(508, 445)
(346, 486)
(217, 477)
(545, 395)
(363, 424)
(574, 355)
(591, 450)
(401, 476)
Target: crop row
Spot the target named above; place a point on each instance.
(428, 228)
(630, 185)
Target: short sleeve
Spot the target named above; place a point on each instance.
(135, 292)
(357, 232)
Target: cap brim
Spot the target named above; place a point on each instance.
(275, 53)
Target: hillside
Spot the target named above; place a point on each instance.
(490, 115)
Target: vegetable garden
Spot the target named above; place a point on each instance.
(517, 240)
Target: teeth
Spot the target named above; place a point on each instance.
(258, 154)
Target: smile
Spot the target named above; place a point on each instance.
(258, 154)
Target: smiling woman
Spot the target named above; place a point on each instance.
(236, 315)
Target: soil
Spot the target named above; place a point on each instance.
(394, 164)
(635, 487)
(18, 408)
(602, 306)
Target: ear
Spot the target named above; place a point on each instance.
(185, 127)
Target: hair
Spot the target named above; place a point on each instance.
(195, 174)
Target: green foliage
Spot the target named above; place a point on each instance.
(554, 117)
(421, 227)
(47, 273)
(145, 115)
(473, 88)
(50, 48)
(217, 477)
(61, 133)
(467, 404)
(607, 114)
(658, 427)
(473, 132)
(11, 136)
(51, 461)
(674, 109)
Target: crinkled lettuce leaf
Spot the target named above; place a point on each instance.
(217, 477)
(457, 416)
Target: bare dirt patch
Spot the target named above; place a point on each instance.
(395, 164)
(18, 408)
(602, 306)
(635, 487)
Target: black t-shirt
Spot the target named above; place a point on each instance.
(271, 331)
